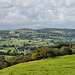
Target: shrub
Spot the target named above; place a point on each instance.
(73, 51)
(34, 56)
(57, 52)
(65, 51)
(44, 52)
(18, 59)
(62, 44)
(3, 65)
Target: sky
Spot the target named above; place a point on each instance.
(36, 14)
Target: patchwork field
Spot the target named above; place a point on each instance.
(42, 37)
(28, 39)
(64, 65)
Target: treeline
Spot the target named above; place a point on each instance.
(14, 53)
(13, 60)
(39, 53)
(26, 46)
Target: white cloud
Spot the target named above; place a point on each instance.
(37, 12)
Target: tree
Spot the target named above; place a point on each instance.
(8, 52)
(43, 52)
(34, 56)
(65, 51)
(2, 58)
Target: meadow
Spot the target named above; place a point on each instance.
(64, 65)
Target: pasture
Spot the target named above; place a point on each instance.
(64, 65)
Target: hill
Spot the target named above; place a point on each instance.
(40, 37)
(23, 41)
(52, 66)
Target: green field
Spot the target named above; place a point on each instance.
(64, 65)
(7, 56)
(5, 49)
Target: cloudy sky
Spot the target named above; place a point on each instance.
(36, 14)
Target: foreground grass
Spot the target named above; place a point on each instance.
(56, 66)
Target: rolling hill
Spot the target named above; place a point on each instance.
(24, 41)
(64, 65)
(40, 37)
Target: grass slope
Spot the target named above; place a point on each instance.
(57, 66)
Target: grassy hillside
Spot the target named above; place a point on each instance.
(56, 66)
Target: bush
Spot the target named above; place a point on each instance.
(18, 59)
(65, 51)
(3, 65)
(34, 56)
(73, 47)
(44, 52)
(73, 51)
(62, 44)
(57, 52)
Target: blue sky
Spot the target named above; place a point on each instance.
(35, 14)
